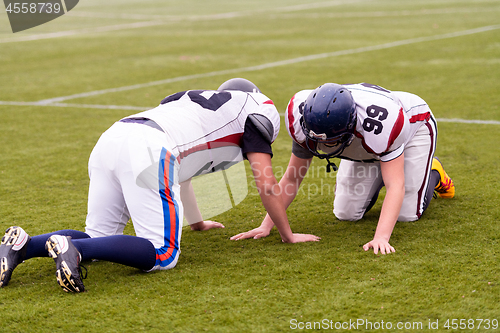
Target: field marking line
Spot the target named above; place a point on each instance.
(294, 8)
(273, 64)
(144, 108)
(468, 121)
(378, 14)
(227, 15)
(156, 20)
(168, 20)
(67, 33)
(75, 105)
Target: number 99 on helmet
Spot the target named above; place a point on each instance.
(329, 120)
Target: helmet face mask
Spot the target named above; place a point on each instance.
(323, 147)
(329, 119)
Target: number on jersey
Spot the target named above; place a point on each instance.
(207, 99)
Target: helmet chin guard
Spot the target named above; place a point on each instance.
(328, 122)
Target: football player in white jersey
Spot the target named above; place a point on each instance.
(141, 168)
(383, 138)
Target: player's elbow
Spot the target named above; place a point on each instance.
(396, 188)
(396, 184)
(269, 188)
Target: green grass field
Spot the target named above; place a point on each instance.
(447, 264)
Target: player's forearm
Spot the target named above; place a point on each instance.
(394, 179)
(390, 212)
(289, 184)
(191, 211)
(288, 190)
(384, 229)
(291, 180)
(273, 203)
(267, 223)
(270, 193)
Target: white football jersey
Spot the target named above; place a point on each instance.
(204, 128)
(386, 121)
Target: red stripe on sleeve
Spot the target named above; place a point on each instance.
(396, 130)
(420, 117)
(291, 119)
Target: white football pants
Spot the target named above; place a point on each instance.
(134, 175)
(358, 183)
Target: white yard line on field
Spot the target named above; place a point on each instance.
(155, 20)
(273, 64)
(144, 108)
(67, 33)
(74, 105)
(468, 121)
(209, 17)
(159, 20)
(377, 14)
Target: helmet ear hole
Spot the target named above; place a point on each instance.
(301, 108)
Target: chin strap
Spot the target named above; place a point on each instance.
(330, 165)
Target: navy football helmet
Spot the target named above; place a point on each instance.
(239, 84)
(329, 120)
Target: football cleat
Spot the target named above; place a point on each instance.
(445, 188)
(67, 258)
(12, 252)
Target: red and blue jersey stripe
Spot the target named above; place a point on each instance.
(170, 250)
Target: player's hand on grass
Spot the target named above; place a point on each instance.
(256, 233)
(300, 238)
(206, 225)
(379, 245)
(261, 232)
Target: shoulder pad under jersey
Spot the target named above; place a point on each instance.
(293, 115)
(264, 126)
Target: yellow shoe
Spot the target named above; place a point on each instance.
(445, 188)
